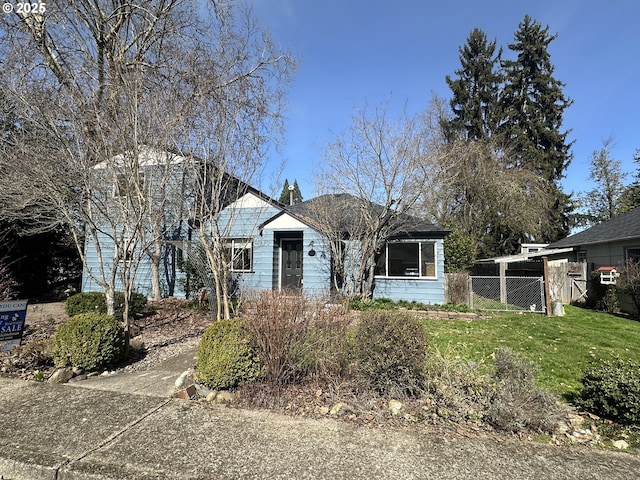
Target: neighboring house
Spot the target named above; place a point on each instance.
(277, 247)
(609, 244)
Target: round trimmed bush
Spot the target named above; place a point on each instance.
(94, 302)
(391, 352)
(85, 302)
(89, 341)
(225, 356)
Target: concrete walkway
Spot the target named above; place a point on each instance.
(157, 381)
(111, 428)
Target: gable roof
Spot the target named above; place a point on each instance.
(622, 227)
(344, 210)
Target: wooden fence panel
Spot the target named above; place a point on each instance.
(568, 282)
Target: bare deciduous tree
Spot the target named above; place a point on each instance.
(379, 161)
(629, 282)
(7, 282)
(105, 83)
(487, 197)
(475, 185)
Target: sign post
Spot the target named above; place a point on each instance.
(12, 317)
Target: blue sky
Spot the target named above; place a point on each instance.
(356, 51)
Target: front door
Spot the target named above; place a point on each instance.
(291, 263)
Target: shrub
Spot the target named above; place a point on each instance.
(95, 302)
(325, 351)
(517, 403)
(611, 389)
(297, 337)
(602, 297)
(225, 356)
(89, 341)
(85, 302)
(279, 327)
(457, 385)
(390, 350)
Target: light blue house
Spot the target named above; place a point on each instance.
(278, 247)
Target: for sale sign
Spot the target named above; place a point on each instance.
(12, 316)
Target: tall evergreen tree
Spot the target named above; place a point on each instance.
(285, 196)
(630, 197)
(533, 104)
(297, 194)
(604, 201)
(475, 90)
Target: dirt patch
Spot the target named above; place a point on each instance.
(45, 312)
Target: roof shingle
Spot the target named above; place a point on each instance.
(622, 227)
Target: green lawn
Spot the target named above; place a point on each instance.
(561, 346)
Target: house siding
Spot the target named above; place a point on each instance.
(422, 290)
(608, 254)
(612, 254)
(156, 167)
(242, 220)
(142, 279)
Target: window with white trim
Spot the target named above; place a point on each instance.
(407, 259)
(239, 254)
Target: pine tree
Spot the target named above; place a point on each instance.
(532, 107)
(284, 195)
(297, 194)
(475, 91)
(630, 197)
(604, 201)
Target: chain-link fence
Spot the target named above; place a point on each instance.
(507, 293)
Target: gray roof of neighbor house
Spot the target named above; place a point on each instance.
(622, 227)
(343, 209)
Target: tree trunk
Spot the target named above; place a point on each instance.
(110, 300)
(155, 271)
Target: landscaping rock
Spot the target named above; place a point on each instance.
(340, 409)
(620, 444)
(212, 396)
(184, 379)
(394, 407)
(225, 397)
(202, 390)
(61, 375)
